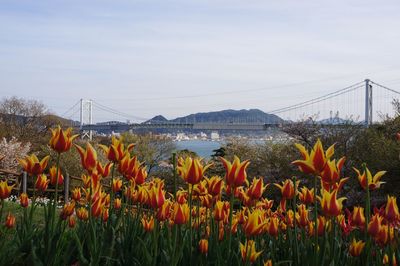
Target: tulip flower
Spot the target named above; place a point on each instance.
(215, 185)
(82, 214)
(254, 224)
(313, 162)
(256, 188)
(268, 263)
(385, 235)
(5, 190)
(53, 176)
(181, 196)
(220, 211)
(116, 150)
(76, 194)
(10, 221)
(117, 203)
(235, 172)
(272, 226)
(24, 200)
(192, 171)
(116, 185)
(358, 218)
(356, 247)
(156, 197)
(374, 225)
(373, 181)
(163, 213)
(248, 251)
(287, 189)
(105, 170)
(386, 260)
(180, 213)
(331, 206)
(71, 221)
(61, 141)
(42, 182)
(85, 180)
(67, 210)
(88, 157)
(203, 246)
(392, 210)
(98, 203)
(321, 226)
(148, 224)
(331, 172)
(306, 195)
(302, 215)
(32, 165)
(105, 214)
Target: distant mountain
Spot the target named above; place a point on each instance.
(157, 119)
(229, 116)
(335, 121)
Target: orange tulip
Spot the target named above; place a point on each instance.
(203, 246)
(268, 263)
(385, 235)
(192, 171)
(302, 215)
(88, 157)
(82, 214)
(76, 194)
(61, 141)
(117, 203)
(148, 224)
(373, 181)
(321, 225)
(24, 200)
(331, 172)
(358, 218)
(235, 172)
(98, 203)
(356, 247)
(85, 180)
(306, 195)
(116, 150)
(254, 224)
(53, 174)
(392, 210)
(181, 196)
(104, 171)
(221, 212)
(33, 166)
(67, 210)
(156, 196)
(215, 185)
(116, 185)
(105, 214)
(42, 182)
(256, 188)
(5, 190)
(272, 226)
(164, 212)
(248, 251)
(180, 213)
(314, 162)
(10, 221)
(287, 188)
(71, 221)
(374, 225)
(331, 206)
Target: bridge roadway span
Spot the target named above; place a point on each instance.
(199, 126)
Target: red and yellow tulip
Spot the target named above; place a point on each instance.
(313, 162)
(367, 178)
(32, 165)
(356, 247)
(88, 157)
(61, 141)
(331, 206)
(192, 170)
(248, 251)
(5, 190)
(236, 173)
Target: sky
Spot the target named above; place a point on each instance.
(144, 58)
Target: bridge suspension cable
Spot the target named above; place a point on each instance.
(384, 87)
(116, 112)
(318, 99)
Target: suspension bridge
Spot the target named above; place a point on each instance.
(365, 102)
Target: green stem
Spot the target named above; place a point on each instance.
(295, 223)
(367, 213)
(190, 218)
(315, 223)
(111, 194)
(174, 169)
(230, 221)
(1, 210)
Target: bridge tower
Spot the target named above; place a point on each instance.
(86, 117)
(368, 103)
